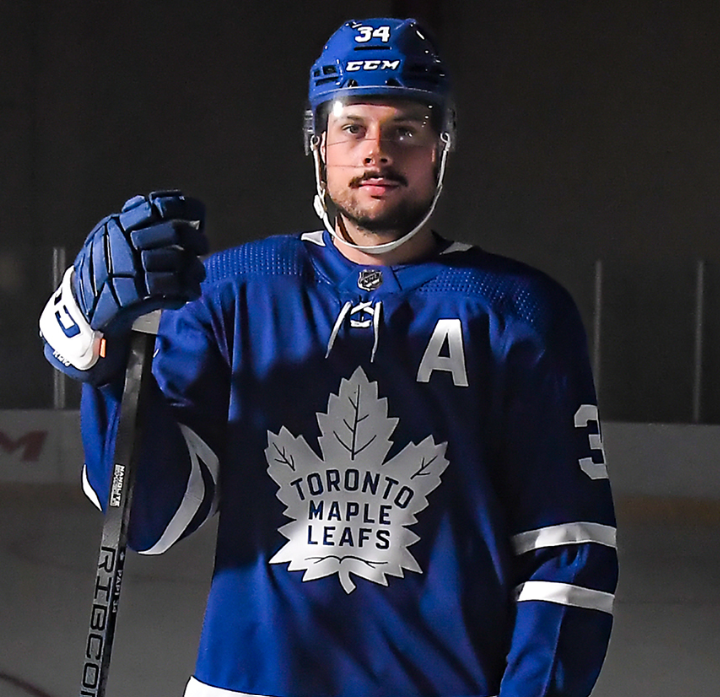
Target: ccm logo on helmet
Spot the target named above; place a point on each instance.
(373, 65)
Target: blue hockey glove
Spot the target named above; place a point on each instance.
(139, 260)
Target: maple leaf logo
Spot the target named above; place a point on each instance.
(351, 510)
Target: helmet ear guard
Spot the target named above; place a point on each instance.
(308, 130)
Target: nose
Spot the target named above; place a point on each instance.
(376, 150)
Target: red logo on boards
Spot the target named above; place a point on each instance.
(30, 444)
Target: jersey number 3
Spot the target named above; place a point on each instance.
(586, 414)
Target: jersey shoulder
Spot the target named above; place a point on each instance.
(278, 255)
(507, 287)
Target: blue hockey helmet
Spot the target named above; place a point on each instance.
(379, 57)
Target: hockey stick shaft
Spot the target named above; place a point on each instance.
(111, 559)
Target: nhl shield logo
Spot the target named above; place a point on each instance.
(370, 279)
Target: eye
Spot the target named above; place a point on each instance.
(405, 133)
(352, 129)
(408, 133)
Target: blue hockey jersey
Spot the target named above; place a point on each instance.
(407, 467)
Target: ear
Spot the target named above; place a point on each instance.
(436, 158)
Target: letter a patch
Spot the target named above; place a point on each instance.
(447, 331)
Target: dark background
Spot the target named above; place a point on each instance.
(587, 131)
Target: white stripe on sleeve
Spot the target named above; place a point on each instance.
(195, 688)
(568, 534)
(565, 594)
(89, 491)
(194, 492)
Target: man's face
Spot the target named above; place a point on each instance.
(380, 158)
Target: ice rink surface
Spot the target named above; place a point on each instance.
(666, 640)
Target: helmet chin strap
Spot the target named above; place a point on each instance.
(321, 210)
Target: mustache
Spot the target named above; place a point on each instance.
(390, 174)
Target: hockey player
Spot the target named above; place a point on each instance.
(399, 433)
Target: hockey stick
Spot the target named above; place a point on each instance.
(111, 560)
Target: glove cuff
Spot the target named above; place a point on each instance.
(66, 331)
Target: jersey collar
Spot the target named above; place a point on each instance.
(361, 279)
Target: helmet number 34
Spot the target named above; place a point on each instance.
(366, 33)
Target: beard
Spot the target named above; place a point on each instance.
(398, 219)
